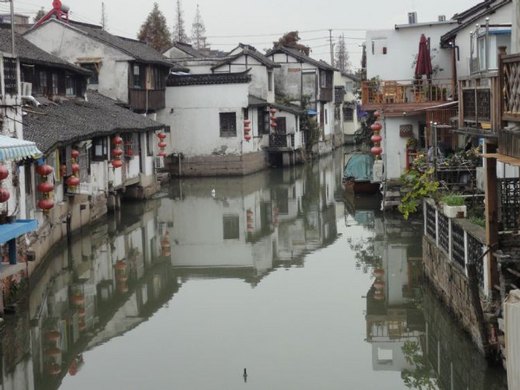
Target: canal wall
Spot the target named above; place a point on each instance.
(452, 286)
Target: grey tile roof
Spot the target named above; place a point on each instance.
(188, 49)
(31, 54)
(254, 101)
(134, 48)
(75, 120)
(176, 80)
(300, 56)
(248, 50)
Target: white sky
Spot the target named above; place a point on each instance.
(261, 22)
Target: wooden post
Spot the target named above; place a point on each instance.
(491, 214)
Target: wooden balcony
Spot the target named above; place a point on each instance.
(405, 93)
(326, 94)
(147, 100)
(509, 76)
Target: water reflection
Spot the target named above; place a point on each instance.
(409, 330)
(206, 236)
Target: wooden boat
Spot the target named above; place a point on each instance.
(357, 174)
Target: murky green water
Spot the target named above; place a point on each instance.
(277, 273)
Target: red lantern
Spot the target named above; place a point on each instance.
(75, 168)
(74, 153)
(117, 152)
(4, 195)
(161, 136)
(379, 284)
(44, 170)
(52, 335)
(247, 137)
(379, 272)
(273, 111)
(120, 265)
(45, 187)
(78, 299)
(376, 126)
(376, 150)
(165, 245)
(162, 144)
(377, 114)
(54, 369)
(45, 204)
(376, 138)
(161, 154)
(73, 181)
(117, 163)
(117, 140)
(3, 172)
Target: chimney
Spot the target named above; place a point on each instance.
(442, 18)
(412, 17)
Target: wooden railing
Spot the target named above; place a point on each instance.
(510, 82)
(406, 91)
(145, 100)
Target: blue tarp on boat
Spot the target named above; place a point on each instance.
(359, 166)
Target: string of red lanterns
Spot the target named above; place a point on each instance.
(274, 124)
(247, 129)
(376, 138)
(117, 152)
(45, 187)
(73, 180)
(4, 194)
(162, 145)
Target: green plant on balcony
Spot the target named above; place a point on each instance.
(452, 200)
(416, 186)
(453, 205)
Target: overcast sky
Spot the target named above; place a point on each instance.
(260, 22)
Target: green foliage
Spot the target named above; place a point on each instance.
(154, 30)
(421, 376)
(478, 220)
(453, 200)
(40, 14)
(309, 126)
(416, 185)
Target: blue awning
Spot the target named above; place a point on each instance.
(17, 149)
(312, 112)
(8, 231)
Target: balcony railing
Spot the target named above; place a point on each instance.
(510, 79)
(406, 91)
(281, 140)
(145, 100)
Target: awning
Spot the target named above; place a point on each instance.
(17, 149)
(8, 231)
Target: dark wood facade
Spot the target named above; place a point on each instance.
(147, 87)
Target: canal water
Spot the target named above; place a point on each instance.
(273, 281)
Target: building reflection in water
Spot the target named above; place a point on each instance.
(114, 276)
(408, 328)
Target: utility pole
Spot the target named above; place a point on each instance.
(331, 48)
(103, 16)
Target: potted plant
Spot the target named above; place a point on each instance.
(453, 206)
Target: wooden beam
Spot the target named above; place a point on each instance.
(491, 213)
(502, 158)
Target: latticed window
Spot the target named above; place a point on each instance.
(10, 76)
(131, 144)
(228, 124)
(99, 149)
(231, 227)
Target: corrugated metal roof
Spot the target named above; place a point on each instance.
(17, 149)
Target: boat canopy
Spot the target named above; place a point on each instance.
(359, 166)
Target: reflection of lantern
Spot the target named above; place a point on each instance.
(4, 195)
(120, 265)
(72, 181)
(247, 130)
(165, 245)
(53, 369)
(249, 220)
(52, 335)
(78, 299)
(379, 284)
(378, 294)
(53, 352)
(44, 170)
(379, 272)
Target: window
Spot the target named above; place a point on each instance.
(130, 144)
(231, 227)
(348, 114)
(99, 149)
(70, 85)
(384, 50)
(94, 68)
(43, 86)
(270, 80)
(281, 125)
(263, 121)
(54, 84)
(138, 76)
(10, 75)
(323, 79)
(228, 124)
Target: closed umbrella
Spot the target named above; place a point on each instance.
(424, 61)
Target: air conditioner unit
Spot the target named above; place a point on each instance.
(26, 89)
(159, 162)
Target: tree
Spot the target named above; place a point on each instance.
(342, 57)
(179, 32)
(291, 39)
(154, 30)
(198, 32)
(40, 14)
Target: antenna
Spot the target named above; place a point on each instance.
(103, 16)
